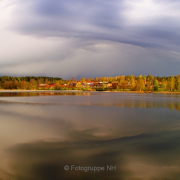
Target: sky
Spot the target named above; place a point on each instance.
(89, 38)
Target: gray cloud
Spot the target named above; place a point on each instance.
(93, 59)
(98, 20)
(91, 38)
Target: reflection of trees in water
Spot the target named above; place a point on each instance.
(140, 104)
(122, 103)
(13, 94)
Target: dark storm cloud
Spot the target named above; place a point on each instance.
(95, 59)
(80, 19)
(96, 19)
(91, 38)
(61, 17)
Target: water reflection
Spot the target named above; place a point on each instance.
(21, 94)
(120, 100)
(37, 141)
(150, 156)
(140, 104)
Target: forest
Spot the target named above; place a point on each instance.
(28, 82)
(117, 83)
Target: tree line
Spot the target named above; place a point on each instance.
(139, 83)
(124, 83)
(28, 82)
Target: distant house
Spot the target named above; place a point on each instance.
(109, 84)
(42, 85)
(75, 83)
(90, 83)
(63, 85)
(50, 85)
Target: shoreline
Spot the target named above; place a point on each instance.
(148, 92)
(22, 90)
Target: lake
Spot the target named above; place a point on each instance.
(53, 135)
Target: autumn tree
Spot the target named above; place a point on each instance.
(148, 86)
(132, 81)
(171, 83)
(149, 77)
(96, 79)
(178, 82)
(7, 85)
(22, 85)
(82, 79)
(15, 84)
(124, 85)
(58, 85)
(32, 84)
(111, 79)
(140, 84)
(164, 84)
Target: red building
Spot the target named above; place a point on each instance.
(50, 85)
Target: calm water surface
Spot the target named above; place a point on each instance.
(127, 136)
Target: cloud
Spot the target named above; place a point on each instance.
(141, 23)
(90, 59)
(89, 38)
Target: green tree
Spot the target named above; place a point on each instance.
(156, 85)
